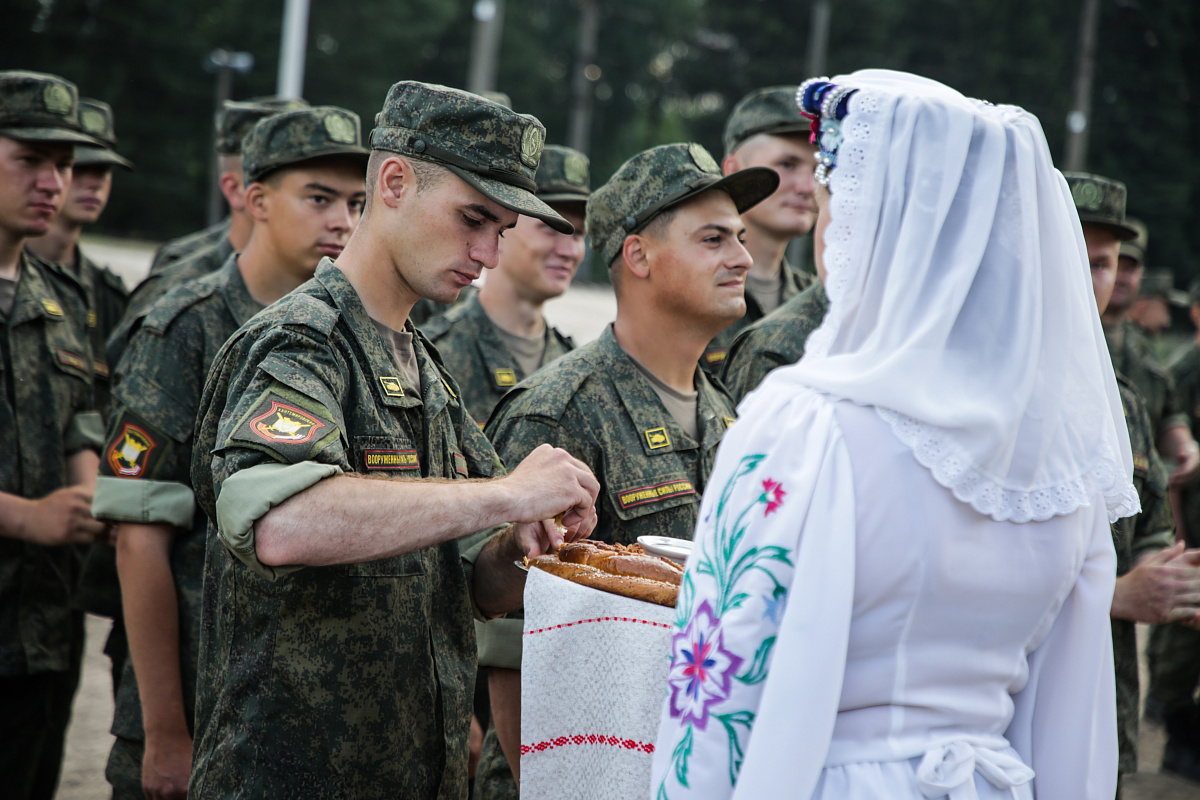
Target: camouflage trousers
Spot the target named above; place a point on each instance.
(1174, 666)
(494, 778)
(124, 769)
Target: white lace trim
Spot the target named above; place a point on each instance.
(933, 447)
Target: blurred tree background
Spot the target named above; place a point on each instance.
(665, 70)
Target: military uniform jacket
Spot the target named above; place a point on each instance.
(776, 340)
(427, 310)
(471, 348)
(1185, 370)
(45, 416)
(794, 282)
(201, 262)
(349, 681)
(145, 468)
(1135, 537)
(1132, 358)
(184, 246)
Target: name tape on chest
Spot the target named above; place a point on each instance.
(391, 459)
(1141, 462)
(73, 360)
(713, 357)
(655, 493)
(129, 452)
(460, 465)
(657, 437)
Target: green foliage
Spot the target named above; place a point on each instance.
(670, 71)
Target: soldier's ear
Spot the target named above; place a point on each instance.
(730, 164)
(635, 252)
(396, 180)
(256, 202)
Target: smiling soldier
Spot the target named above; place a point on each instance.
(633, 405)
(305, 193)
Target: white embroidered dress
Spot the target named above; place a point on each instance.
(903, 565)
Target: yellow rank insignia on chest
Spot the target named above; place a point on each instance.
(505, 377)
(391, 386)
(715, 356)
(52, 308)
(286, 423)
(1141, 462)
(128, 453)
(91, 319)
(729, 422)
(657, 437)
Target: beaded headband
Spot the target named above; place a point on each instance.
(826, 104)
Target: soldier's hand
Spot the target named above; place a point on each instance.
(1187, 464)
(536, 538)
(166, 766)
(61, 517)
(1162, 587)
(549, 482)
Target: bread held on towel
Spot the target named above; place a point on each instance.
(613, 568)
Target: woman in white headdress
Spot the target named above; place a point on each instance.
(902, 574)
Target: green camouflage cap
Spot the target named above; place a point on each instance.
(293, 136)
(1135, 248)
(492, 148)
(1100, 201)
(1193, 293)
(499, 98)
(562, 176)
(96, 117)
(1161, 283)
(36, 107)
(661, 177)
(235, 119)
(769, 110)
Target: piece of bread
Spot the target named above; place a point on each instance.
(615, 569)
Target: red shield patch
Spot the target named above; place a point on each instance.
(286, 424)
(129, 452)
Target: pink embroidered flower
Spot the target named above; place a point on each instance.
(772, 495)
(701, 668)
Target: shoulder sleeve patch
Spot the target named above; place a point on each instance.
(286, 423)
(134, 448)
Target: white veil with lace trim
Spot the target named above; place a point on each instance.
(961, 304)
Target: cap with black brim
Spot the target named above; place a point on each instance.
(1123, 232)
(514, 198)
(59, 135)
(88, 156)
(290, 138)
(747, 188)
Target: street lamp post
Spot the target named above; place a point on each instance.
(224, 63)
(485, 45)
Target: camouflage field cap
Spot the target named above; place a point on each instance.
(661, 177)
(499, 98)
(96, 117)
(492, 148)
(1135, 248)
(235, 119)
(1100, 201)
(769, 110)
(1161, 283)
(36, 107)
(562, 177)
(288, 138)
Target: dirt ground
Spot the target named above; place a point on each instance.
(583, 313)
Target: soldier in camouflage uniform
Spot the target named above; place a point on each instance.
(305, 188)
(765, 129)
(1151, 314)
(339, 609)
(105, 297)
(776, 340)
(500, 336)
(1175, 649)
(48, 435)
(1147, 563)
(233, 123)
(1101, 206)
(632, 405)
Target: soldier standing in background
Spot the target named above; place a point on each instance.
(1101, 205)
(178, 266)
(1175, 649)
(765, 129)
(305, 187)
(1151, 314)
(105, 297)
(1156, 581)
(633, 405)
(500, 336)
(48, 434)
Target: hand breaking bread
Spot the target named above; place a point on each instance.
(614, 568)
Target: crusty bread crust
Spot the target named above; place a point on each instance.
(615, 569)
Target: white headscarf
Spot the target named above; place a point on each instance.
(961, 304)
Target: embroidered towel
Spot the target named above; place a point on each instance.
(593, 676)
